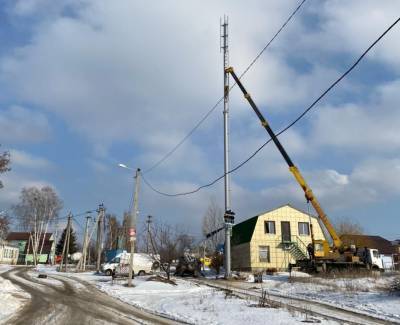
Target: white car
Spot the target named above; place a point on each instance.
(142, 264)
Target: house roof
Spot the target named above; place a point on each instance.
(243, 231)
(25, 236)
(290, 206)
(383, 245)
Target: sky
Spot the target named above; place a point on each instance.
(88, 84)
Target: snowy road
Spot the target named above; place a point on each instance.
(60, 300)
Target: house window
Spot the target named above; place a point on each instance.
(264, 253)
(269, 227)
(304, 229)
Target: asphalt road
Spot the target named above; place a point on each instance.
(61, 300)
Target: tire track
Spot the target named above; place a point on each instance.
(69, 304)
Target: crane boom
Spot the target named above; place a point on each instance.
(293, 169)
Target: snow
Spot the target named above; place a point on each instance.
(12, 298)
(185, 301)
(5, 268)
(196, 304)
(369, 295)
(200, 304)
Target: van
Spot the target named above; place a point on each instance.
(142, 264)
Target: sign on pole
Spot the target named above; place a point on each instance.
(132, 234)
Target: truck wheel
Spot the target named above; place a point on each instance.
(108, 272)
(141, 273)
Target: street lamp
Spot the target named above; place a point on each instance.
(132, 226)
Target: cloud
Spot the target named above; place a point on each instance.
(122, 74)
(151, 90)
(373, 180)
(97, 165)
(26, 160)
(362, 128)
(21, 125)
(13, 183)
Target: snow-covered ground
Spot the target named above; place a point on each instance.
(189, 302)
(12, 298)
(367, 294)
(200, 304)
(197, 304)
(5, 268)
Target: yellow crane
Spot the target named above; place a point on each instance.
(323, 256)
(322, 249)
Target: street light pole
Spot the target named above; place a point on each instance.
(132, 227)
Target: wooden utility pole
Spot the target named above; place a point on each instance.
(85, 243)
(148, 221)
(99, 241)
(65, 244)
(68, 239)
(132, 228)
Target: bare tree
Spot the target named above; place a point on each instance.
(35, 211)
(170, 242)
(4, 164)
(213, 220)
(347, 227)
(4, 226)
(113, 231)
(124, 231)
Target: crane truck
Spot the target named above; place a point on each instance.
(323, 256)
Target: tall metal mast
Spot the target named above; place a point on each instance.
(228, 213)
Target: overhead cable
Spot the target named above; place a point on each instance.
(287, 127)
(188, 135)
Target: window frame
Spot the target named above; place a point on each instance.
(266, 222)
(308, 228)
(264, 248)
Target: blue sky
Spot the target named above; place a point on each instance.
(89, 84)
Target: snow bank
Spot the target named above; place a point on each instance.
(369, 295)
(279, 276)
(5, 268)
(12, 298)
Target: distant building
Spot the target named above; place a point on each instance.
(388, 251)
(273, 239)
(23, 241)
(8, 253)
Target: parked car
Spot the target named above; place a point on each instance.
(142, 264)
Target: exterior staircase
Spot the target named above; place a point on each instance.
(296, 248)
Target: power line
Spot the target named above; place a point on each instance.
(187, 136)
(75, 215)
(287, 127)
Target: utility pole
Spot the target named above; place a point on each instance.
(229, 215)
(65, 251)
(132, 227)
(99, 241)
(85, 242)
(53, 250)
(68, 240)
(148, 221)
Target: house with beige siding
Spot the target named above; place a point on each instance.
(273, 239)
